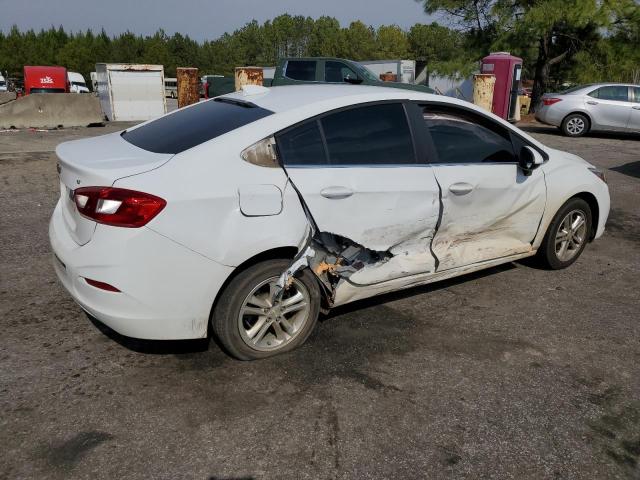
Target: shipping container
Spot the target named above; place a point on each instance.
(131, 92)
(405, 70)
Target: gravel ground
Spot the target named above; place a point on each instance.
(513, 372)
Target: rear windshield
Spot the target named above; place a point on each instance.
(192, 126)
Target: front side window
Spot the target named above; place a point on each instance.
(464, 137)
(617, 93)
(337, 72)
(370, 135)
(303, 70)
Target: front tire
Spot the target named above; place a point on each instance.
(250, 326)
(575, 125)
(567, 235)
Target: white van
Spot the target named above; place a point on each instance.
(77, 83)
(3, 84)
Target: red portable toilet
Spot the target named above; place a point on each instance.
(507, 70)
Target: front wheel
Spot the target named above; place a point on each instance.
(567, 235)
(251, 325)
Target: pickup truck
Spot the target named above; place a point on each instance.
(298, 71)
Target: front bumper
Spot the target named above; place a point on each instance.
(167, 290)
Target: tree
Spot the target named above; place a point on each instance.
(359, 42)
(391, 42)
(555, 30)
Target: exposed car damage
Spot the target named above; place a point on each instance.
(426, 248)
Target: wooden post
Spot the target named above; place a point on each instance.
(483, 85)
(248, 76)
(188, 91)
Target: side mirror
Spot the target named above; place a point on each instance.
(530, 159)
(354, 81)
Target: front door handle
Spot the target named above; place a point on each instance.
(461, 188)
(336, 192)
(591, 102)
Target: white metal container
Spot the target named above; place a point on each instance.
(131, 92)
(404, 69)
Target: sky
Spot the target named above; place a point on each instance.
(200, 19)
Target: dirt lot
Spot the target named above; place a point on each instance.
(511, 373)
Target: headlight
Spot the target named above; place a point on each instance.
(598, 173)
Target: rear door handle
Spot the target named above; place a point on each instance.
(591, 102)
(336, 192)
(461, 188)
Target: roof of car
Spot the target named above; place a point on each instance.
(281, 99)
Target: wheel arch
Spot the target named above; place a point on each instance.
(580, 112)
(592, 201)
(285, 252)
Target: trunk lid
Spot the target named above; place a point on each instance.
(98, 161)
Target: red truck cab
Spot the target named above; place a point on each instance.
(45, 80)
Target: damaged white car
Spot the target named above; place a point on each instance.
(246, 215)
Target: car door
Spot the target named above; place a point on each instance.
(357, 172)
(634, 118)
(609, 107)
(491, 209)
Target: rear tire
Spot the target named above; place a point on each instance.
(575, 125)
(566, 236)
(250, 327)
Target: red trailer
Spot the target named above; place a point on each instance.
(507, 69)
(45, 80)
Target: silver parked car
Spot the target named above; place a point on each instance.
(589, 108)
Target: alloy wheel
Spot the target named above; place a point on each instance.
(571, 235)
(576, 125)
(268, 325)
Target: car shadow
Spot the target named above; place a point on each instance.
(184, 347)
(413, 291)
(154, 347)
(551, 130)
(632, 169)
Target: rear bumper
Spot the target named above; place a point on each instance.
(549, 115)
(166, 289)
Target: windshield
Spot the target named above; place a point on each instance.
(194, 125)
(2, 83)
(79, 84)
(47, 90)
(366, 73)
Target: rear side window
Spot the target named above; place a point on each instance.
(192, 126)
(376, 134)
(303, 70)
(614, 92)
(636, 94)
(463, 137)
(302, 145)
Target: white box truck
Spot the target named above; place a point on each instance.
(131, 92)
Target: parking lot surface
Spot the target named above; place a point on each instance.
(513, 372)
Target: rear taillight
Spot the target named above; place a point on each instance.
(117, 206)
(550, 101)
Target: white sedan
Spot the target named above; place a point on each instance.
(246, 215)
